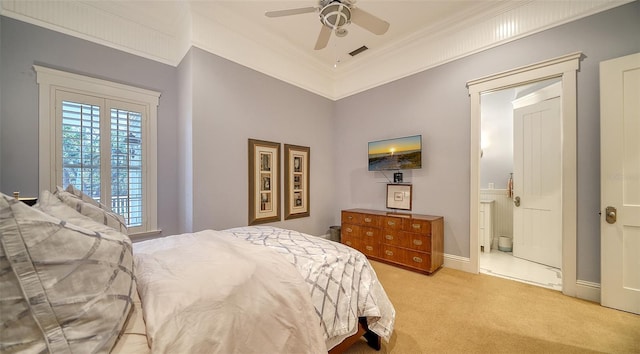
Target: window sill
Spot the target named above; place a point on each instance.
(145, 235)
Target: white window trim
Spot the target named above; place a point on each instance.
(49, 81)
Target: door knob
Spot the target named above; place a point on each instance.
(610, 214)
(516, 201)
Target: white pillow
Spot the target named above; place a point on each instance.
(101, 213)
(66, 288)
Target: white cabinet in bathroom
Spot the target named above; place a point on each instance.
(486, 224)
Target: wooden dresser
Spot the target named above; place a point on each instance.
(411, 241)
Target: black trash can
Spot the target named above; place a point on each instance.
(334, 233)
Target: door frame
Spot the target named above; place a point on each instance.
(564, 67)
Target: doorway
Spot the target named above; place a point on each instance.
(565, 68)
(520, 184)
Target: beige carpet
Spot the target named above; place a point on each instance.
(458, 312)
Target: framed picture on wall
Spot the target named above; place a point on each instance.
(296, 182)
(399, 196)
(264, 181)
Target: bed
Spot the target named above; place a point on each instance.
(72, 281)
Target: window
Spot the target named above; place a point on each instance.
(100, 137)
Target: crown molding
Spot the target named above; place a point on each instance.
(85, 21)
(469, 37)
(169, 42)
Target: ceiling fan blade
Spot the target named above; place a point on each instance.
(368, 21)
(323, 37)
(289, 12)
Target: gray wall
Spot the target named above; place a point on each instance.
(185, 152)
(435, 103)
(22, 46)
(231, 104)
(497, 129)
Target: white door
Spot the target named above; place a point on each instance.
(620, 183)
(537, 209)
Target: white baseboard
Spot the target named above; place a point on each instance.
(588, 291)
(458, 262)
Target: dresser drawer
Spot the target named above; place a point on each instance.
(360, 231)
(391, 223)
(351, 241)
(409, 258)
(405, 239)
(393, 254)
(418, 260)
(415, 241)
(369, 247)
(360, 219)
(370, 233)
(349, 230)
(391, 237)
(417, 226)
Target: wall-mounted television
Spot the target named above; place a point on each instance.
(396, 154)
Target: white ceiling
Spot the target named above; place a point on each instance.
(406, 18)
(422, 34)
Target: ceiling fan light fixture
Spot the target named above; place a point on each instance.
(335, 15)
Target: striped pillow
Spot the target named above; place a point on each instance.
(64, 288)
(53, 206)
(100, 213)
(83, 196)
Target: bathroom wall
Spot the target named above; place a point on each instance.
(496, 139)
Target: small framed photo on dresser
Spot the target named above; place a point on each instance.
(399, 196)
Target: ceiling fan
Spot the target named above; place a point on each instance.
(334, 15)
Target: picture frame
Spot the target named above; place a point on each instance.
(296, 181)
(399, 196)
(264, 181)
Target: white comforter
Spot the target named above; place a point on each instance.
(208, 292)
(342, 283)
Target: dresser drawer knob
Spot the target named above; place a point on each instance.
(348, 243)
(349, 229)
(391, 223)
(349, 217)
(369, 233)
(388, 253)
(369, 248)
(417, 242)
(367, 219)
(388, 237)
(417, 259)
(416, 226)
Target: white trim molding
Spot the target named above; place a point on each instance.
(458, 263)
(588, 291)
(50, 81)
(564, 67)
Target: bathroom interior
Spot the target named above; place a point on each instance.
(497, 200)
